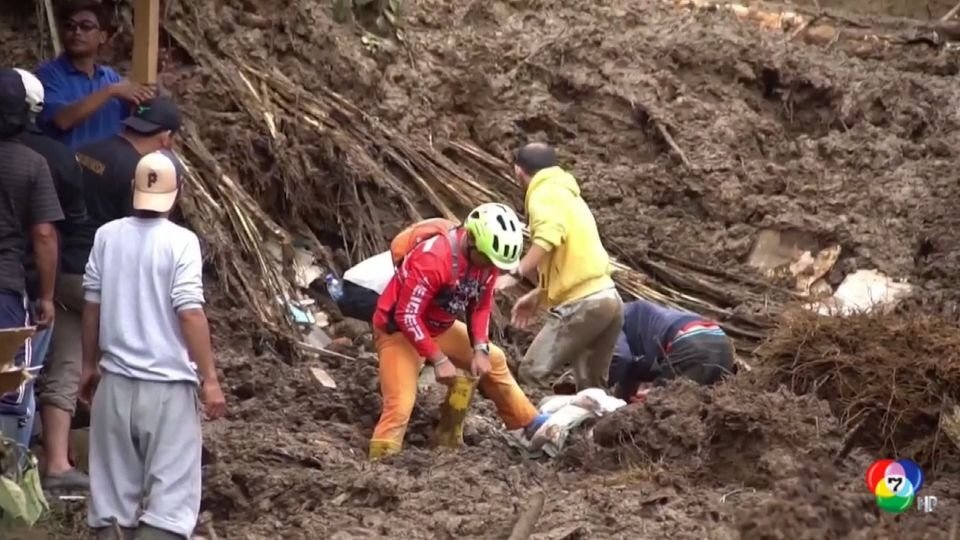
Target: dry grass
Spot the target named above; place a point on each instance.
(888, 377)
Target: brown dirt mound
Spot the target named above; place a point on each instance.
(804, 505)
(830, 500)
(725, 435)
(850, 150)
(818, 504)
(887, 377)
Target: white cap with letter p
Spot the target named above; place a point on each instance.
(156, 182)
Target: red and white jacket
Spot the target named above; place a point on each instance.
(434, 286)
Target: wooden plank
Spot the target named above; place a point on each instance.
(146, 40)
(12, 339)
(54, 29)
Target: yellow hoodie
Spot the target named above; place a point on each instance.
(576, 265)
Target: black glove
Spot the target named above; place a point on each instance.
(638, 371)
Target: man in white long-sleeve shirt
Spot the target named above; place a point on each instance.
(145, 330)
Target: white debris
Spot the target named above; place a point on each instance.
(863, 291)
(568, 412)
(323, 377)
(305, 269)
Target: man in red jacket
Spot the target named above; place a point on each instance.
(442, 278)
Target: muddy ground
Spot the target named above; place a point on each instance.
(857, 151)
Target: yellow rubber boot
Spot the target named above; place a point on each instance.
(453, 412)
(381, 449)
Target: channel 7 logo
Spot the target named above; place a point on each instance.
(896, 485)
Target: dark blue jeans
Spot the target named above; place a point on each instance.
(17, 408)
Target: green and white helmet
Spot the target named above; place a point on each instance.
(497, 233)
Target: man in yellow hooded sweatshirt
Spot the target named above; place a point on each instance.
(571, 266)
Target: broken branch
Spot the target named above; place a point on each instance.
(673, 144)
(524, 525)
(644, 115)
(949, 15)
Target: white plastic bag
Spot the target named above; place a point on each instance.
(597, 401)
(552, 404)
(568, 412)
(553, 433)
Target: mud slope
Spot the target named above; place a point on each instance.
(854, 151)
(731, 463)
(850, 150)
(778, 134)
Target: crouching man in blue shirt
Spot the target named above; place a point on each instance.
(658, 344)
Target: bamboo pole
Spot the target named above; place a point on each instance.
(146, 40)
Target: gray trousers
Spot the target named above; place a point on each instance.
(145, 444)
(581, 334)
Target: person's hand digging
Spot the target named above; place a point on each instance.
(214, 403)
(480, 365)
(444, 370)
(521, 316)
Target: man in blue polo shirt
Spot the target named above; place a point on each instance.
(85, 102)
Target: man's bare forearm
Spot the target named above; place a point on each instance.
(90, 335)
(535, 293)
(45, 254)
(70, 115)
(530, 261)
(196, 333)
(532, 276)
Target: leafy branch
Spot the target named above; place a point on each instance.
(21, 498)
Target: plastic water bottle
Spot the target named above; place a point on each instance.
(334, 287)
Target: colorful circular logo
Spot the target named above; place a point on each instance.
(895, 483)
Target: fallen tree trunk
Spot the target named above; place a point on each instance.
(824, 28)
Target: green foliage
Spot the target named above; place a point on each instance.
(21, 497)
(385, 14)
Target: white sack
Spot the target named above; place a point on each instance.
(373, 273)
(568, 412)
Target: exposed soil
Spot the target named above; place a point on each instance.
(843, 148)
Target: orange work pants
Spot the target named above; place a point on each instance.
(400, 367)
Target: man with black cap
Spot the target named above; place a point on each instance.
(68, 181)
(108, 170)
(28, 208)
(146, 349)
